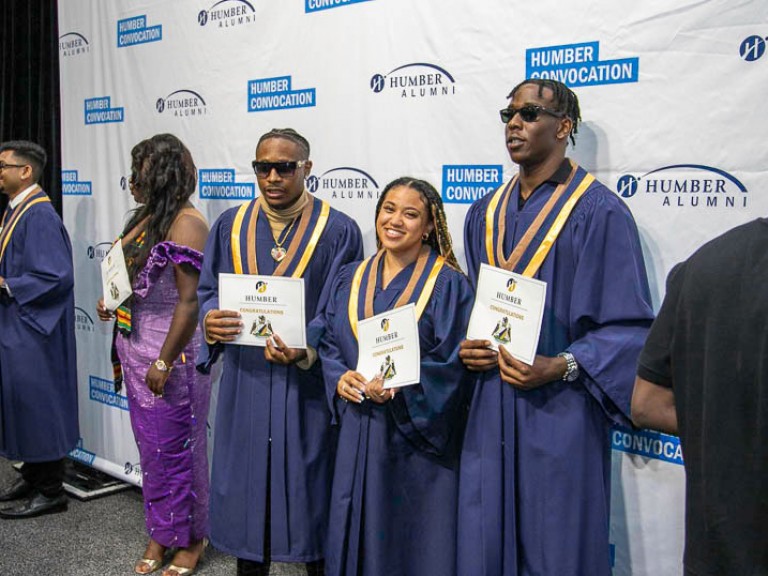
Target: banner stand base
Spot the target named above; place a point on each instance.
(86, 483)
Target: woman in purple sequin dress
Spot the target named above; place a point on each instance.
(157, 344)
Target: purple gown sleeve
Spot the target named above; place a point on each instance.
(216, 258)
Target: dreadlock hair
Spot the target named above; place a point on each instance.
(164, 174)
(565, 100)
(288, 134)
(439, 238)
(28, 152)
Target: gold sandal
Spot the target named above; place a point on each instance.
(151, 563)
(174, 570)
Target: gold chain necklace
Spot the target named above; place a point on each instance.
(278, 252)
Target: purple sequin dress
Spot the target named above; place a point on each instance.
(170, 430)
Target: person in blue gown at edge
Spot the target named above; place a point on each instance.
(273, 443)
(535, 466)
(395, 484)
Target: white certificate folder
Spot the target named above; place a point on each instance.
(508, 312)
(389, 347)
(267, 305)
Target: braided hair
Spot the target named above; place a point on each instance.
(288, 134)
(164, 174)
(439, 238)
(565, 100)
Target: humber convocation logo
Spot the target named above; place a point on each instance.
(276, 93)
(579, 65)
(103, 392)
(182, 104)
(100, 111)
(317, 5)
(752, 48)
(80, 454)
(648, 444)
(465, 183)
(685, 186)
(71, 185)
(416, 80)
(345, 183)
(228, 14)
(73, 44)
(134, 30)
(219, 184)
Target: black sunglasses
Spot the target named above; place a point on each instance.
(529, 113)
(283, 169)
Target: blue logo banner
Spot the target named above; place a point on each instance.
(465, 183)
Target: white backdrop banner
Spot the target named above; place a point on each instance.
(384, 88)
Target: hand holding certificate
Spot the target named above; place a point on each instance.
(267, 305)
(508, 311)
(115, 282)
(389, 347)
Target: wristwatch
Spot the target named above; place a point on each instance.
(572, 367)
(161, 365)
(5, 288)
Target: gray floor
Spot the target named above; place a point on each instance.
(104, 536)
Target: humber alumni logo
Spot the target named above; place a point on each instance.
(83, 320)
(416, 80)
(228, 14)
(182, 104)
(686, 185)
(73, 44)
(752, 48)
(345, 183)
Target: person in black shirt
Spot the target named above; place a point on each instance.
(704, 373)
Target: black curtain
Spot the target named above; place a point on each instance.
(29, 69)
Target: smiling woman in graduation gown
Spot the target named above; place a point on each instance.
(393, 502)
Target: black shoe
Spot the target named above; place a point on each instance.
(19, 489)
(37, 505)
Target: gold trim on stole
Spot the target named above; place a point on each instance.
(6, 235)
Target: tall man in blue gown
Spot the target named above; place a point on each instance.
(38, 371)
(535, 472)
(273, 446)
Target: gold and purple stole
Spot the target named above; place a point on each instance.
(313, 219)
(9, 222)
(529, 253)
(418, 290)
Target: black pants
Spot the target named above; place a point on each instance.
(45, 477)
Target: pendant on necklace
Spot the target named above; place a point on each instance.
(278, 253)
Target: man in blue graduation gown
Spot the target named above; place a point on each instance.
(38, 371)
(535, 470)
(273, 443)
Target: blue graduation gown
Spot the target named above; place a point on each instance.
(38, 361)
(535, 470)
(395, 486)
(260, 402)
